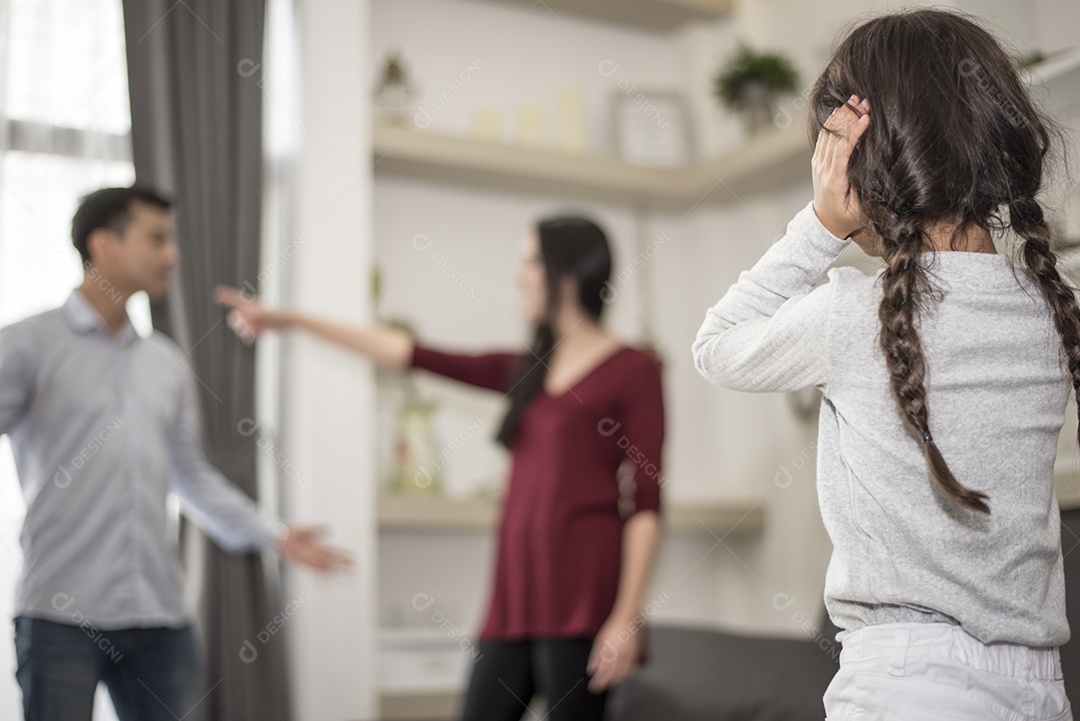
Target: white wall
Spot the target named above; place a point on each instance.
(809, 31)
(505, 55)
(328, 398)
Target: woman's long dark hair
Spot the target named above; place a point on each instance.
(954, 140)
(570, 247)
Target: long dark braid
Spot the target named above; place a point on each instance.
(904, 285)
(1026, 218)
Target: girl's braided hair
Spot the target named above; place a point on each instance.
(955, 142)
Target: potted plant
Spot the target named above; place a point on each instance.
(751, 82)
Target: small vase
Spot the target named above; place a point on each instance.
(417, 462)
(394, 97)
(757, 102)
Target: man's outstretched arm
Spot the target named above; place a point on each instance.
(228, 515)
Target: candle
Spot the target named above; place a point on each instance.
(571, 121)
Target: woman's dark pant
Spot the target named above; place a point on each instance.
(508, 673)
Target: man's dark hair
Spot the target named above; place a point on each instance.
(110, 208)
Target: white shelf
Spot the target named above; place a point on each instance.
(1058, 66)
(655, 15)
(766, 162)
(1055, 82)
(417, 512)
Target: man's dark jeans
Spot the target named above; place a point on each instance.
(152, 674)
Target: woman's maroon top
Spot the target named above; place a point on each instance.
(560, 536)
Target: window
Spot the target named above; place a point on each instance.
(64, 131)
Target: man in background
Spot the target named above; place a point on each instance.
(103, 426)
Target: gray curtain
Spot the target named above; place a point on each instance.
(197, 134)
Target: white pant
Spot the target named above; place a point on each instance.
(938, 672)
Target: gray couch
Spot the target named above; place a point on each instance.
(705, 675)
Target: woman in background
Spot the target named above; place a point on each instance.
(928, 141)
(583, 409)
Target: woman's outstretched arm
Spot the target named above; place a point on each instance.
(384, 345)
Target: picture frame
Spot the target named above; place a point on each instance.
(652, 128)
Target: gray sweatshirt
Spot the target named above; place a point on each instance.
(996, 391)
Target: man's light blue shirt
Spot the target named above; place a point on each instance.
(103, 428)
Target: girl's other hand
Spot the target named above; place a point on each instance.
(835, 202)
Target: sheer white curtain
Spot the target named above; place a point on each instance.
(64, 131)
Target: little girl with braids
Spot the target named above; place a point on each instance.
(945, 375)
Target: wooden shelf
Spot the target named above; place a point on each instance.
(654, 15)
(766, 162)
(431, 705)
(417, 512)
(721, 519)
(404, 512)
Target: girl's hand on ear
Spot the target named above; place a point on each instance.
(835, 202)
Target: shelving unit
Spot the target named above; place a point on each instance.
(763, 163)
(654, 15)
(423, 513)
(433, 660)
(419, 652)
